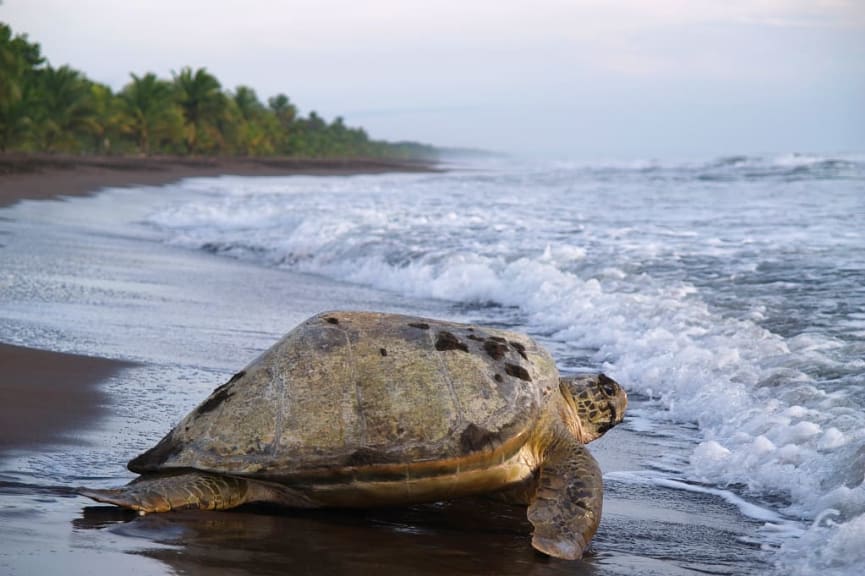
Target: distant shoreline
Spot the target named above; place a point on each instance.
(42, 176)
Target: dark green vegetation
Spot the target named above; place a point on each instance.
(47, 109)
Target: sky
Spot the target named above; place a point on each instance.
(581, 79)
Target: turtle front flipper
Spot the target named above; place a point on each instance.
(164, 492)
(566, 508)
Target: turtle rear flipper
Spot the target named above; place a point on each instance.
(161, 493)
(197, 491)
(566, 508)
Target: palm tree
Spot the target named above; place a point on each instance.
(313, 135)
(285, 112)
(65, 109)
(254, 126)
(148, 110)
(202, 102)
(11, 68)
(247, 103)
(109, 116)
(18, 62)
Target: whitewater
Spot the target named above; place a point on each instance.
(728, 296)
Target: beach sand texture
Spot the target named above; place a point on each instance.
(153, 329)
(45, 395)
(39, 176)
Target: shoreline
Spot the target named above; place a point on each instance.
(45, 395)
(26, 176)
(191, 319)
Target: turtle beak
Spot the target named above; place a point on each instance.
(617, 399)
(618, 405)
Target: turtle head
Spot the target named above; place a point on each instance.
(598, 400)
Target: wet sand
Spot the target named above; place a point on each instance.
(40, 176)
(45, 395)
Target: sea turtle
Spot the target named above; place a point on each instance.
(360, 409)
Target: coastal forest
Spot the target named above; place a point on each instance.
(60, 110)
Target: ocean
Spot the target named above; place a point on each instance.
(727, 296)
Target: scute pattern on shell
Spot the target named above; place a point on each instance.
(355, 389)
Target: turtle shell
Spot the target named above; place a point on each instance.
(354, 389)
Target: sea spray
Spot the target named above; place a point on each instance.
(730, 292)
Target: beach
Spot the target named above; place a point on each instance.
(43, 394)
(39, 176)
(122, 306)
(59, 390)
(60, 407)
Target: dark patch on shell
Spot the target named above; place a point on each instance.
(382, 351)
(496, 350)
(521, 350)
(219, 395)
(517, 371)
(498, 378)
(447, 341)
(497, 339)
(367, 457)
(331, 320)
(475, 337)
(475, 438)
(156, 456)
(421, 325)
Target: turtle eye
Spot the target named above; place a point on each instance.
(607, 384)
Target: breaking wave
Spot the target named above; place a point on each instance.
(729, 293)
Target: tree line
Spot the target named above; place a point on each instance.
(48, 109)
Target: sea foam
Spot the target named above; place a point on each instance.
(686, 291)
